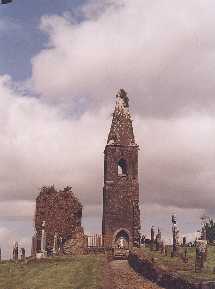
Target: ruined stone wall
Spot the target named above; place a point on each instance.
(61, 211)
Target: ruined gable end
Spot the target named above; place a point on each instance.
(62, 213)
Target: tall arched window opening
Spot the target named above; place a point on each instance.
(122, 168)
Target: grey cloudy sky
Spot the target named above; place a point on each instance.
(61, 65)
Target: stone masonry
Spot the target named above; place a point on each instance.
(121, 215)
(62, 213)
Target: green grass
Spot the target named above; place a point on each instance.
(82, 272)
(186, 270)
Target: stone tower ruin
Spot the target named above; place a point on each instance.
(62, 213)
(121, 214)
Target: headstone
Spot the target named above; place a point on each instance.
(55, 246)
(201, 254)
(152, 237)
(185, 258)
(49, 251)
(23, 254)
(34, 246)
(162, 247)
(175, 237)
(184, 241)
(43, 238)
(158, 240)
(15, 251)
(143, 239)
(61, 252)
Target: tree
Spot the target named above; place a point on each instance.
(210, 230)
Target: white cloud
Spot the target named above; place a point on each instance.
(177, 161)
(161, 52)
(40, 146)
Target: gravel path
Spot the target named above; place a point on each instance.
(120, 275)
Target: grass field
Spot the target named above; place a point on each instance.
(84, 272)
(186, 270)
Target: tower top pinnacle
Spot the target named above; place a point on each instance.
(123, 95)
(121, 132)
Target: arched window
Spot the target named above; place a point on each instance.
(122, 168)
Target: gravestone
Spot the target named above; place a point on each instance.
(61, 251)
(201, 255)
(158, 240)
(143, 240)
(55, 246)
(184, 241)
(34, 246)
(175, 237)
(152, 238)
(43, 238)
(15, 251)
(162, 247)
(184, 255)
(23, 254)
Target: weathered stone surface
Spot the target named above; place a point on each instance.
(77, 245)
(61, 212)
(121, 214)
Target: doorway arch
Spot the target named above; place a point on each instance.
(122, 239)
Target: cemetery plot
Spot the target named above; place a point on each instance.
(184, 263)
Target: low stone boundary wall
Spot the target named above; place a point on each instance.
(162, 277)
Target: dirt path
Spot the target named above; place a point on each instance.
(120, 275)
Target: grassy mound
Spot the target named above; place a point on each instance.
(82, 272)
(186, 270)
